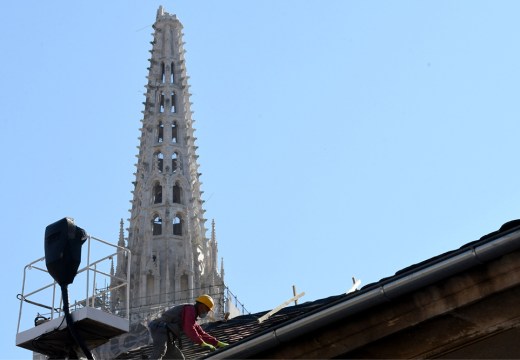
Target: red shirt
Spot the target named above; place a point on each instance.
(192, 329)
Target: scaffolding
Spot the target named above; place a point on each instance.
(97, 313)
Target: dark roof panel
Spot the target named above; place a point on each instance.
(243, 328)
(238, 328)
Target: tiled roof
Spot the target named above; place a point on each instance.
(246, 327)
(237, 329)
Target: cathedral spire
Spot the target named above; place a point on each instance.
(172, 260)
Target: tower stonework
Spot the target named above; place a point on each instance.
(172, 261)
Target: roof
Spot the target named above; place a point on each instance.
(238, 329)
(247, 336)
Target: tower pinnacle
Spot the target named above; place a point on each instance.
(172, 260)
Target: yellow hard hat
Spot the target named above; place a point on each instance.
(206, 300)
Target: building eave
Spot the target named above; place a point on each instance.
(408, 280)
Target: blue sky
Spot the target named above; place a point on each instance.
(336, 138)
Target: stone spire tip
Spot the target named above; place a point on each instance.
(160, 12)
(121, 241)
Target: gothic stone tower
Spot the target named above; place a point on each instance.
(172, 260)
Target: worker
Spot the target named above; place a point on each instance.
(182, 319)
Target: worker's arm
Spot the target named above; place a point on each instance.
(193, 330)
(205, 336)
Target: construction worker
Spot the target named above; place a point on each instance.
(182, 319)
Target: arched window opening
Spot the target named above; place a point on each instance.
(177, 194)
(156, 225)
(174, 132)
(184, 286)
(173, 109)
(159, 160)
(161, 102)
(160, 132)
(177, 225)
(175, 162)
(172, 73)
(135, 237)
(157, 193)
(163, 73)
(150, 286)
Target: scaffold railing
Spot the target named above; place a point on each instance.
(97, 285)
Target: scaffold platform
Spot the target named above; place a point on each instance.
(95, 326)
(99, 313)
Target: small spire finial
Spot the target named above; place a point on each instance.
(213, 233)
(121, 234)
(160, 11)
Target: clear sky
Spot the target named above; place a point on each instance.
(336, 138)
